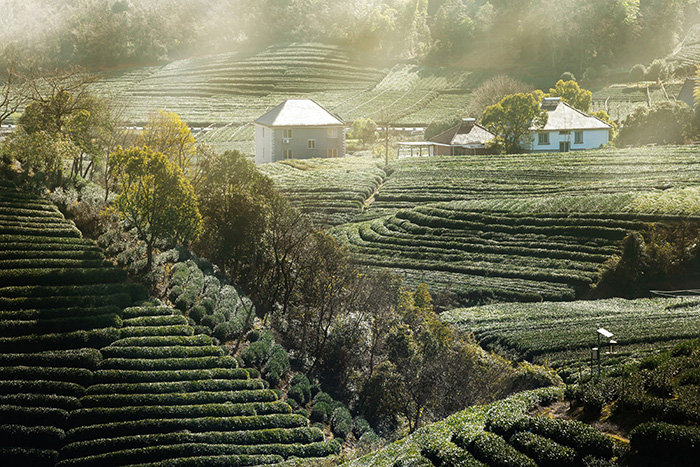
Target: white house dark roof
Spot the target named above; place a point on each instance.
(299, 112)
(563, 117)
(465, 134)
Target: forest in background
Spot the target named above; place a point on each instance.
(536, 38)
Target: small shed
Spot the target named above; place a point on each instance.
(468, 137)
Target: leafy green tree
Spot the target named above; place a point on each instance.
(155, 198)
(365, 130)
(664, 122)
(512, 118)
(572, 94)
(166, 133)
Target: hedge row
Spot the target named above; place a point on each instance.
(29, 436)
(149, 363)
(19, 251)
(258, 422)
(41, 400)
(120, 300)
(32, 416)
(139, 311)
(544, 451)
(180, 398)
(56, 313)
(496, 452)
(96, 415)
(162, 351)
(85, 358)
(159, 320)
(204, 461)
(136, 291)
(59, 388)
(28, 456)
(95, 338)
(80, 376)
(303, 435)
(166, 341)
(583, 438)
(177, 386)
(15, 328)
(658, 443)
(75, 276)
(142, 331)
(147, 376)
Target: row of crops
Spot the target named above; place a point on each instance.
(232, 90)
(482, 254)
(87, 378)
(501, 434)
(331, 191)
(561, 334)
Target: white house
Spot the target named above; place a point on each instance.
(567, 129)
(298, 129)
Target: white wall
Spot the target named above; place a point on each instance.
(592, 139)
(263, 144)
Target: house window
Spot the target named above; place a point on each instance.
(578, 137)
(288, 133)
(543, 138)
(333, 153)
(287, 153)
(332, 133)
(311, 144)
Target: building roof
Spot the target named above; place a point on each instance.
(687, 91)
(563, 117)
(299, 112)
(467, 133)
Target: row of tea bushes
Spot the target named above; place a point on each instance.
(160, 396)
(59, 303)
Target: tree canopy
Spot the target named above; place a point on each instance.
(572, 94)
(154, 197)
(512, 118)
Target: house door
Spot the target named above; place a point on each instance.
(564, 146)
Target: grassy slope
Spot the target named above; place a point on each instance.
(85, 378)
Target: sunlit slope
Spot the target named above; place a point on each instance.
(86, 378)
(524, 227)
(560, 334)
(226, 92)
(330, 191)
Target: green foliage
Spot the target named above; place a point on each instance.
(155, 198)
(341, 422)
(166, 133)
(638, 72)
(512, 119)
(662, 123)
(572, 94)
(365, 130)
(665, 443)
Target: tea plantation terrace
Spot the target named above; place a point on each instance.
(90, 374)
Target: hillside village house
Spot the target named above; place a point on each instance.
(298, 129)
(466, 138)
(567, 129)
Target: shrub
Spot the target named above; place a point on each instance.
(658, 70)
(277, 366)
(637, 72)
(321, 412)
(665, 443)
(256, 354)
(543, 450)
(197, 312)
(341, 422)
(567, 76)
(494, 451)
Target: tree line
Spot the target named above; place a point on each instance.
(536, 37)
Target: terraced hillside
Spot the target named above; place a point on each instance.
(561, 333)
(331, 191)
(501, 434)
(526, 228)
(86, 378)
(220, 95)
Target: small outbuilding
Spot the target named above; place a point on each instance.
(468, 137)
(567, 129)
(298, 129)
